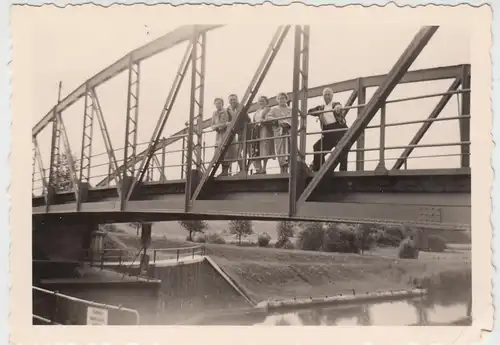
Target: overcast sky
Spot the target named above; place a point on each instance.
(78, 42)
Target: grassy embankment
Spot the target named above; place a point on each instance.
(270, 273)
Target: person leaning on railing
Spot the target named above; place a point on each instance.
(281, 125)
(240, 128)
(330, 120)
(261, 131)
(220, 120)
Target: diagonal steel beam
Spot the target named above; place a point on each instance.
(160, 166)
(106, 137)
(426, 125)
(39, 161)
(415, 76)
(69, 156)
(397, 72)
(250, 93)
(162, 120)
(195, 113)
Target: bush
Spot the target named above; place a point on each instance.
(312, 237)
(340, 240)
(288, 245)
(389, 236)
(435, 243)
(215, 238)
(199, 238)
(263, 239)
(285, 230)
(408, 249)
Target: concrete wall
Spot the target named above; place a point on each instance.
(60, 241)
(192, 287)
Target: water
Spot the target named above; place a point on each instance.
(447, 303)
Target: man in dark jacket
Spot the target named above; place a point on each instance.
(330, 120)
(233, 110)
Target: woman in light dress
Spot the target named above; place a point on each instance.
(261, 131)
(282, 116)
(220, 122)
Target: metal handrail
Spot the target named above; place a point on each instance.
(89, 303)
(246, 142)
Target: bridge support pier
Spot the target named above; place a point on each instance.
(96, 243)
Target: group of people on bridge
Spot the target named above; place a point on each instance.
(268, 133)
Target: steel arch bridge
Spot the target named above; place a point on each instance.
(136, 186)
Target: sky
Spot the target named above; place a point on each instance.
(78, 42)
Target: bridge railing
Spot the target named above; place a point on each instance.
(130, 259)
(54, 308)
(170, 163)
(383, 126)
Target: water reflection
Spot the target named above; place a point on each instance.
(395, 313)
(446, 303)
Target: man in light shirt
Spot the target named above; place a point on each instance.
(330, 120)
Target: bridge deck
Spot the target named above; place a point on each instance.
(435, 198)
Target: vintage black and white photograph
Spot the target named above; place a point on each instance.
(249, 174)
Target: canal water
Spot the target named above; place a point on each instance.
(448, 302)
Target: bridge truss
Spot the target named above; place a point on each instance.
(137, 186)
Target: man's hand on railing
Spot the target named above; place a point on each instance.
(312, 110)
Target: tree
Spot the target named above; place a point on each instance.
(312, 236)
(193, 226)
(364, 234)
(285, 231)
(63, 171)
(240, 228)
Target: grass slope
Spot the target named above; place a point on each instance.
(270, 273)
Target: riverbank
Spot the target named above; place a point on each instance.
(276, 274)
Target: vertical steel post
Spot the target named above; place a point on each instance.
(183, 156)
(163, 153)
(360, 143)
(200, 94)
(464, 123)
(304, 92)
(381, 162)
(86, 149)
(191, 124)
(299, 108)
(292, 180)
(131, 125)
(53, 186)
(33, 174)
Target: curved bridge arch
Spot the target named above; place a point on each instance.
(165, 42)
